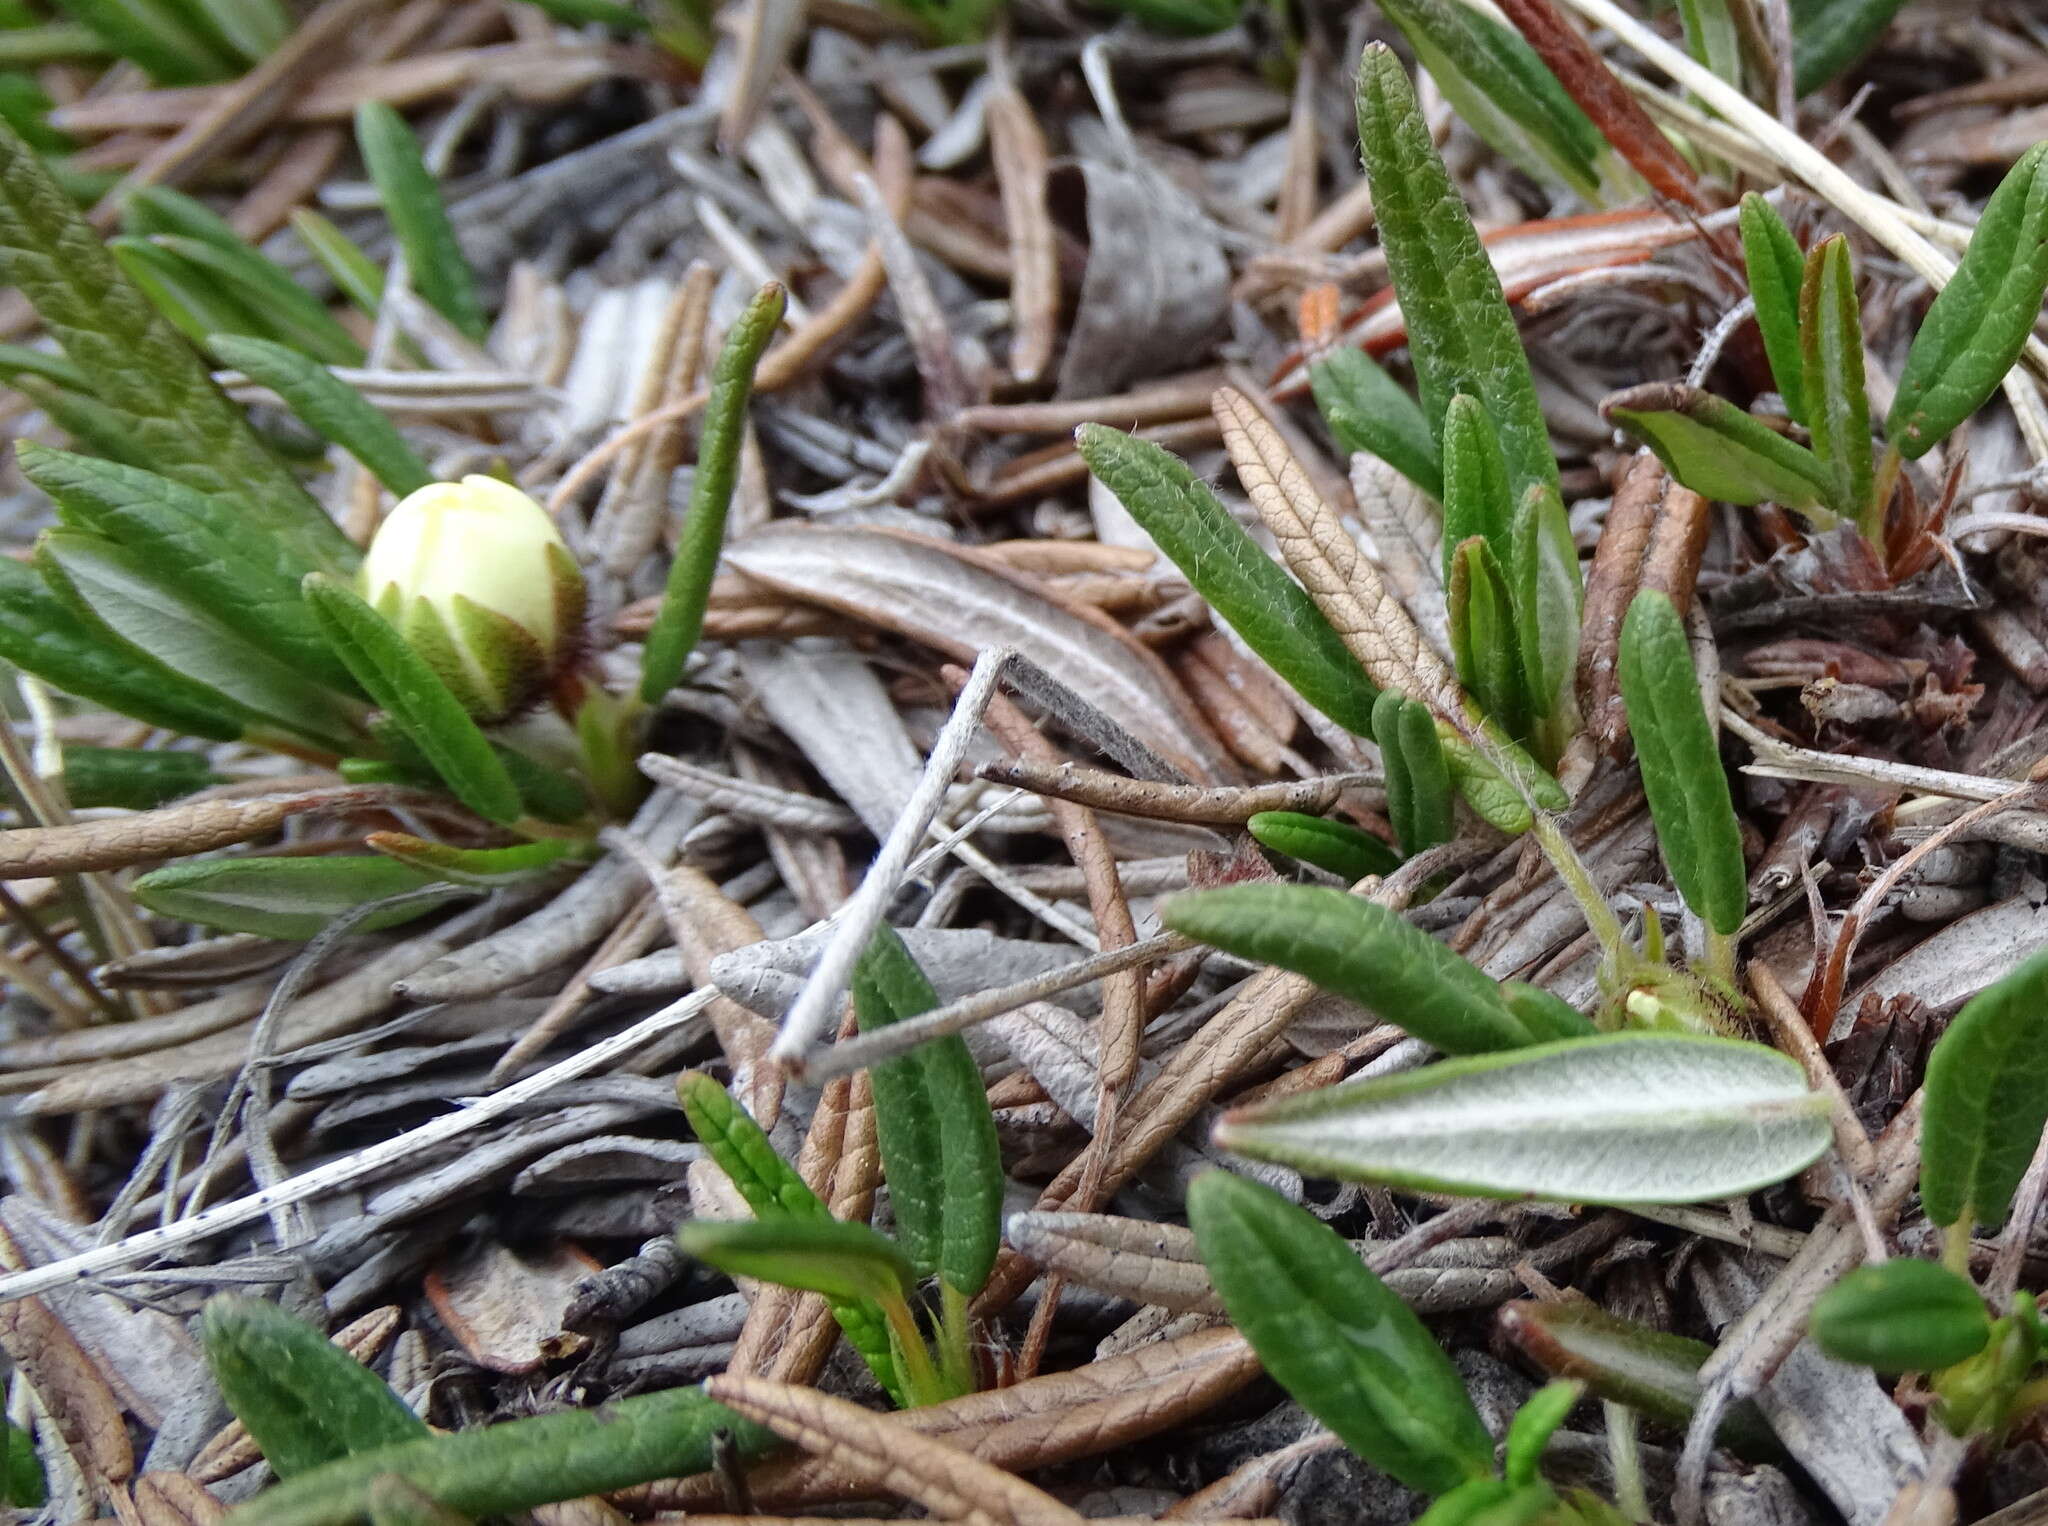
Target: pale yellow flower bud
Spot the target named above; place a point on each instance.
(478, 580)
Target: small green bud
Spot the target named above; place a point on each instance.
(478, 580)
(1903, 1316)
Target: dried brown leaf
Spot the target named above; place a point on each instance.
(71, 1388)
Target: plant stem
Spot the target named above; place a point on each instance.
(921, 1382)
(956, 1359)
(1880, 497)
(1720, 959)
(1578, 883)
(1955, 1244)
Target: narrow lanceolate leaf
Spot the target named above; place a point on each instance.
(1979, 324)
(1711, 37)
(1358, 949)
(1227, 567)
(415, 699)
(1367, 410)
(1546, 1017)
(303, 1400)
(1483, 637)
(1903, 1316)
(1830, 35)
(501, 1469)
(282, 897)
(21, 1471)
(1419, 801)
(1335, 1337)
(195, 546)
(1682, 774)
(133, 778)
(43, 633)
(484, 868)
(1831, 358)
(328, 406)
(157, 35)
(139, 369)
(1460, 332)
(419, 222)
(1776, 269)
(1336, 846)
(355, 275)
(680, 620)
(940, 1155)
(1618, 1118)
(284, 309)
(1549, 594)
(848, 1262)
(1477, 500)
(120, 586)
(1533, 1426)
(1720, 452)
(1503, 90)
(1987, 1099)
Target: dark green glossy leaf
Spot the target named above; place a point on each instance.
(328, 406)
(1336, 846)
(1360, 950)
(1244, 585)
(419, 222)
(1419, 801)
(1776, 269)
(415, 699)
(133, 778)
(1903, 1316)
(1720, 452)
(1978, 326)
(940, 1155)
(847, 1262)
(1830, 35)
(1334, 1336)
(1484, 642)
(282, 897)
(1367, 410)
(680, 620)
(1831, 359)
(1682, 774)
(1987, 1099)
(302, 1400)
(1460, 333)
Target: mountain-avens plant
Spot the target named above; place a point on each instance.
(194, 584)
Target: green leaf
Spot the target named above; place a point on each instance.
(120, 587)
(1682, 774)
(1360, 950)
(1837, 406)
(419, 222)
(1546, 1017)
(1720, 452)
(1776, 270)
(415, 699)
(155, 35)
(195, 301)
(1549, 598)
(1367, 410)
(250, 28)
(1477, 501)
(1336, 846)
(1335, 1337)
(1484, 643)
(485, 868)
(1533, 1426)
(20, 360)
(1711, 37)
(680, 621)
(940, 1155)
(1495, 1502)
(1461, 334)
(91, 423)
(1266, 607)
(1503, 91)
(1616, 1118)
(1978, 325)
(1987, 1099)
(132, 778)
(21, 1471)
(181, 426)
(849, 1262)
(195, 547)
(1902, 1316)
(1419, 800)
(1830, 35)
(1501, 799)
(620, 18)
(358, 277)
(771, 1187)
(328, 406)
(502, 1469)
(396, 1501)
(1648, 1370)
(282, 897)
(24, 104)
(303, 1401)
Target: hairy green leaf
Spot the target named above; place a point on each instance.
(1335, 1337)
(1460, 333)
(1419, 802)
(1776, 270)
(1477, 500)
(1978, 325)
(1336, 846)
(282, 897)
(1545, 1016)
(1902, 1316)
(680, 621)
(849, 1262)
(284, 309)
(1484, 642)
(156, 34)
(1987, 1099)
(414, 698)
(419, 222)
(1831, 358)
(1720, 452)
(1367, 410)
(1616, 1118)
(328, 406)
(133, 778)
(303, 1401)
(1549, 597)
(1682, 774)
